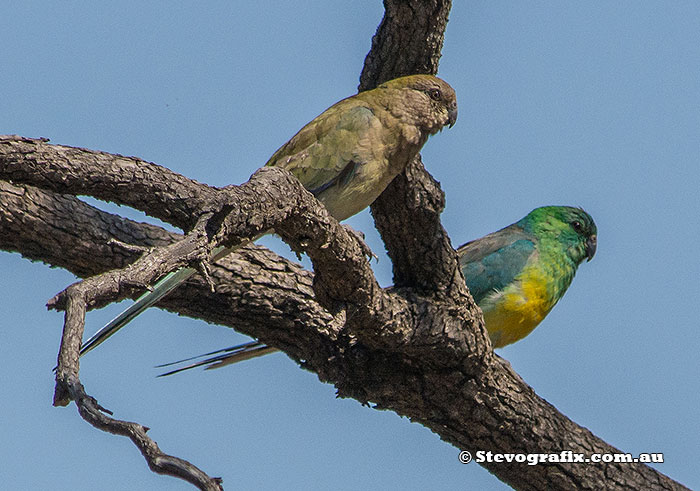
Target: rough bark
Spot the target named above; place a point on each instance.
(431, 363)
(418, 349)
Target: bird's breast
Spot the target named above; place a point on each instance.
(376, 168)
(512, 313)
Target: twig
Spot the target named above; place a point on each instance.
(68, 387)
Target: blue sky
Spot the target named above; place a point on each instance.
(593, 105)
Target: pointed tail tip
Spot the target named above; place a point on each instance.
(226, 356)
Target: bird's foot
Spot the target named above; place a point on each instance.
(361, 240)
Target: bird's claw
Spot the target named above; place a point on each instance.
(361, 241)
(204, 270)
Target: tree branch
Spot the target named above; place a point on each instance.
(408, 40)
(129, 181)
(418, 349)
(35, 222)
(97, 416)
(438, 373)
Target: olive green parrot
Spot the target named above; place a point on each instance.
(345, 157)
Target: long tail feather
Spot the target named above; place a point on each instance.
(160, 290)
(248, 345)
(226, 356)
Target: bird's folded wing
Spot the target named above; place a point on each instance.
(330, 147)
(492, 262)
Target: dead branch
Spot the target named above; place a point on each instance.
(418, 349)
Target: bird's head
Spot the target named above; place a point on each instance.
(426, 101)
(572, 228)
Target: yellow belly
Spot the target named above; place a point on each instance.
(513, 313)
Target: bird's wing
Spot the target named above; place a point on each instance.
(492, 262)
(328, 149)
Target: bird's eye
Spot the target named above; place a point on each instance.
(577, 226)
(435, 94)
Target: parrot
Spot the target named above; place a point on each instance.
(345, 157)
(515, 275)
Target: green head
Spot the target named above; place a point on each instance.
(571, 228)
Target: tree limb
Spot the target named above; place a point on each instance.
(110, 177)
(418, 349)
(438, 373)
(99, 417)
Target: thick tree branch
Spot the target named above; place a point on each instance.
(407, 215)
(465, 398)
(35, 223)
(418, 349)
(124, 180)
(408, 40)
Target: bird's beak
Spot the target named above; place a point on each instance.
(452, 114)
(591, 246)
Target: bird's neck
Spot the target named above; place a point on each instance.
(556, 267)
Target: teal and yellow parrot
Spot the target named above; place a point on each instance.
(345, 157)
(516, 276)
